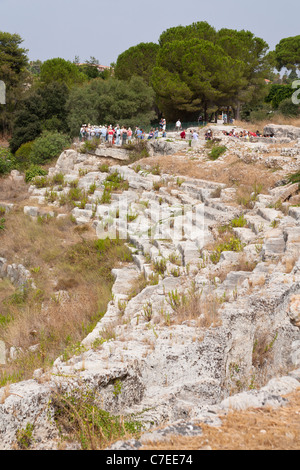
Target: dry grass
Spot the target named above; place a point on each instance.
(276, 119)
(60, 259)
(191, 306)
(12, 192)
(232, 172)
(254, 429)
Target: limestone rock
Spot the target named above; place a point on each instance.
(290, 132)
(294, 310)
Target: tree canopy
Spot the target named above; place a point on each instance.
(62, 71)
(287, 53)
(13, 61)
(111, 101)
(137, 61)
(198, 67)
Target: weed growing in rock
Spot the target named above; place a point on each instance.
(24, 436)
(160, 266)
(234, 244)
(216, 152)
(78, 417)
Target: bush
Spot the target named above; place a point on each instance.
(216, 152)
(234, 244)
(48, 146)
(23, 154)
(7, 161)
(288, 108)
(33, 171)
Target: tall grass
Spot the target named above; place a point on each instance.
(60, 259)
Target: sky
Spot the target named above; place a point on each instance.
(105, 29)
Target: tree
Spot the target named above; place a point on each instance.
(44, 108)
(193, 75)
(287, 53)
(199, 30)
(110, 101)
(13, 62)
(278, 93)
(48, 146)
(244, 46)
(198, 67)
(137, 61)
(61, 71)
(288, 108)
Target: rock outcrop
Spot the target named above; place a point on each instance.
(208, 324)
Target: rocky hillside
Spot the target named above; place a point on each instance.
(205, 317)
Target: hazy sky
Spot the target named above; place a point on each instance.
(104, 29)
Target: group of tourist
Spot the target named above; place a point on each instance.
(107, 134)
(245, 134)
(119, 135)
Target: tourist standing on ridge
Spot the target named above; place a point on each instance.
(178, 126)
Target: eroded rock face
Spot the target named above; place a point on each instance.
(294, 310)
(290, 132)
(162, 366)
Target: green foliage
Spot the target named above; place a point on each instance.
(2, 223)
(41, 181)
(279, 93)
(23, 153)
(24, 436)
(43, 108)
(111, 101)
(106, 196)
(288, 108)
(13, 61)
(148, 311)
(90, 145)
(62, 71)
(234, 244)
(239, 222)
(115, 182)
(216, 152)
(160, 266)
(294, 178)
(58, 179)
(138, 60)
(6, 161)
(33, 171)
(103, 168)
(287, 53)
(48, 146)
(79, 416)
(198, 68)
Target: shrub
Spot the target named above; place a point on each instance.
(160, 266)
(294, 178)
(48, 146)
(6, 161)
(239, 222)
(234, 244)
(115, 182)
(33, 171)
(288, 108)
(41, 181)
(216, 152)
(79, 416)
(103, 168)
(58, 179)
(23, 154)
(90, 145)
